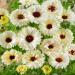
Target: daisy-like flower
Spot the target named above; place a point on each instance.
(53, 7)
(65, 36)
(71, 51)
(59, 60)
(11, 56)
(49, 46)
(46, 69)
(68, 15)
(33, 59)
(28, 2)
(21, 69)
(19, 17)
(50, 26)
(29, 38)
(36, 14)
(8, 39)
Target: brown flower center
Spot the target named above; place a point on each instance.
(1, 16)
(72, 52)
(36, 14)
(62, 36)
(50, 46)
(33, 58)
(64, 16)
(20, 16)
(59, 60)
(12, 57)
(29, 38)
(51, 8)
(49, 26)
(8, 40)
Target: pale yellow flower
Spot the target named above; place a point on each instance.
(4, 20)
(21, 69)
(46, 69)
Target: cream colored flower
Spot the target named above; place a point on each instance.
(68, 15)
(19, 17)
(71, 51)
(33, 59)
(8, 39)
(59, 60)
(29, 38)
(36, 14)
(53, 7)
(11, 56)
(65, 36)
(49, 46)
(50, 26)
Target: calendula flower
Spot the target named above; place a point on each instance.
(33, 59)
(46, 69)
(21, 69)
(11, 56)
(59, 60)
(29, 38)
(4, 20)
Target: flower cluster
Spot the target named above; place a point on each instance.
(33, 22)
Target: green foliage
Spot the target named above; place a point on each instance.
(68, 3)
(40, 1)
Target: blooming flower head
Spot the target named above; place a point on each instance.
(11, 56)
(21, 69)
(46, 69)
(33, 59)
(59, 60)
(29, 38)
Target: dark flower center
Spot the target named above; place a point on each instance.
(62, 36)
(59, 60)
(20, 16)
(72, 52)
(8, 40)
(36, 14)
(29, 38)
(49, 26)
(64, 16)
(51, 8)
(1, 16)
(33, 58)
(50, 46)
(12, 57)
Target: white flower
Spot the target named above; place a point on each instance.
(11, 56)
(8, 39)
(59, 60)
(19, 17)
(28, 2)
(50, 26)
(4, 12)
(68, 15)
(33, 59)
(49, 46)
(53, 7)
(71, 51)
(36, 14)
(29, 38)
(65, 36)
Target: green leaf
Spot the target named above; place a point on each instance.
(40, 1)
